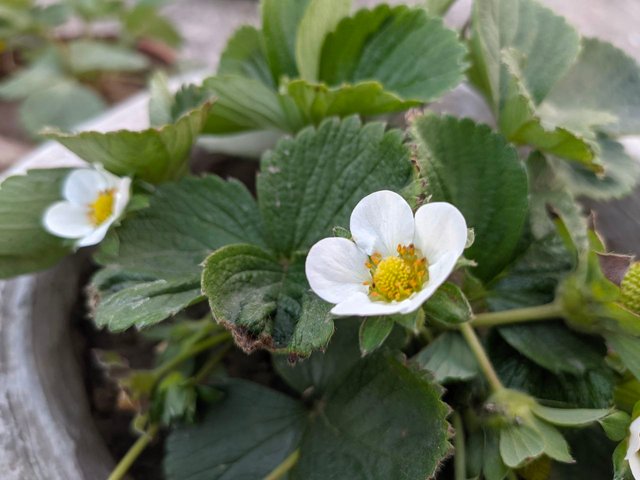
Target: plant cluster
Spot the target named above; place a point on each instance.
(61, 75)
(436, 303)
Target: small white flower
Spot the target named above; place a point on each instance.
(395, 261)
(633, 450)
(94, 199)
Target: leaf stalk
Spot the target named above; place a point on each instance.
(134, 452)
(286, 465)
(476, 347)
(517, 315)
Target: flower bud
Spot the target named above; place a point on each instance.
(630, 289)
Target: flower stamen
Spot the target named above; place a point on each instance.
(102, 208)
(398, 277)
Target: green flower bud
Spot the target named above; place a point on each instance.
(630, 289)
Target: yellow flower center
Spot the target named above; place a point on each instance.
(102, 208)
(397, 278)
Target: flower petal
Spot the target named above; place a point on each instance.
(97, 235)
(67, 220)
(82, 186)
(380, 222)
(440, 230)
(361, 305)
(335, 269)
(633, 450)
(122, 196)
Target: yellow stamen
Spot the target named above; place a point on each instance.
(102, 208)
(398, 277)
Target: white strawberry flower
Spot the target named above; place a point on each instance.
(93, 200)
(633, 450)
(395, 261)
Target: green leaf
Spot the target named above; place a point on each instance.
(621, 173)
(622, 471)
(255, 295)
(569, 417)
(161, 100)
(520, 50)
(532, 279)
(545, 44)
(314, 328)
(144, 21)
(24, 244)
(64, 105)
(317, 101)
(448, 306)
(244, 54)
(381, 420)
(469, 166)
(592, 451)
(174, 399)
(438, 7)
(320, 18)
(238, 438)
(187, 98)
(554, 347)
(493, 467)
(41, 73)
(243, 104)
(373, 332)
(165, 243)
(322, 369)
(628, 348)
(146, 303)
(626, 393)
(591, 389)
(373, 45)
(555, 446)
(520, 443)
(616, 425)
(549, 192)
(91, 55)
(311, 183)
(155, 155)
(522, 122)
(280, 19)
(449, 358)
(604, 78)
(184, 223)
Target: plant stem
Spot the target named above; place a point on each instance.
(517, 315)
(459, 460)
(210, 365)
(134, 452)
(476, 347)
(195, 349)
(286, 465)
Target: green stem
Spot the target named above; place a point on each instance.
(195, 349)
(459, 460)
(517, 315)
(134, 452)
(210, 365)
(286, 465)
(476, 347)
